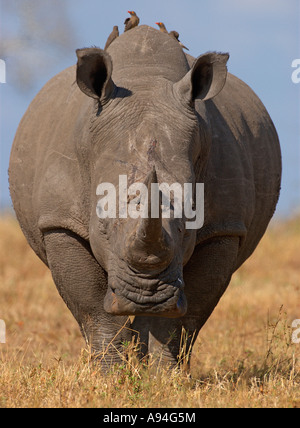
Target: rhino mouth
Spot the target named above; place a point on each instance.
(138, 294)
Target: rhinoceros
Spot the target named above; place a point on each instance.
(146, 111)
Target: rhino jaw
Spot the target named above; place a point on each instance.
(172, 304)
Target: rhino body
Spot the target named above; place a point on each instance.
(145, 110)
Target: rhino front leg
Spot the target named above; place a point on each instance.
(168, 341)
(82, 284)
(206, 277)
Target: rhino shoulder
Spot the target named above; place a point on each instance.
(44, 172)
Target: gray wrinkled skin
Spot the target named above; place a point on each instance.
(146, 110)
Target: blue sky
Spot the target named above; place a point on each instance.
(262, 37)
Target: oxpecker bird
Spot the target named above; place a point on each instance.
(173, 34)
(113, 35)
(162, 27)
(131, 22)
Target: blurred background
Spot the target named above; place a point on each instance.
(38, 39)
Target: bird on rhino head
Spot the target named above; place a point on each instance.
(173, 34)
(113, 35)
(131, 22)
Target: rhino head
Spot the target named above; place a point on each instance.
(148, 124)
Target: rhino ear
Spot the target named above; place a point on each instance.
(93, 75)
(206, 78)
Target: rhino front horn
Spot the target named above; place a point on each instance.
(150, 246)
(150, 229)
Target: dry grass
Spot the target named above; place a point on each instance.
(243, 358)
